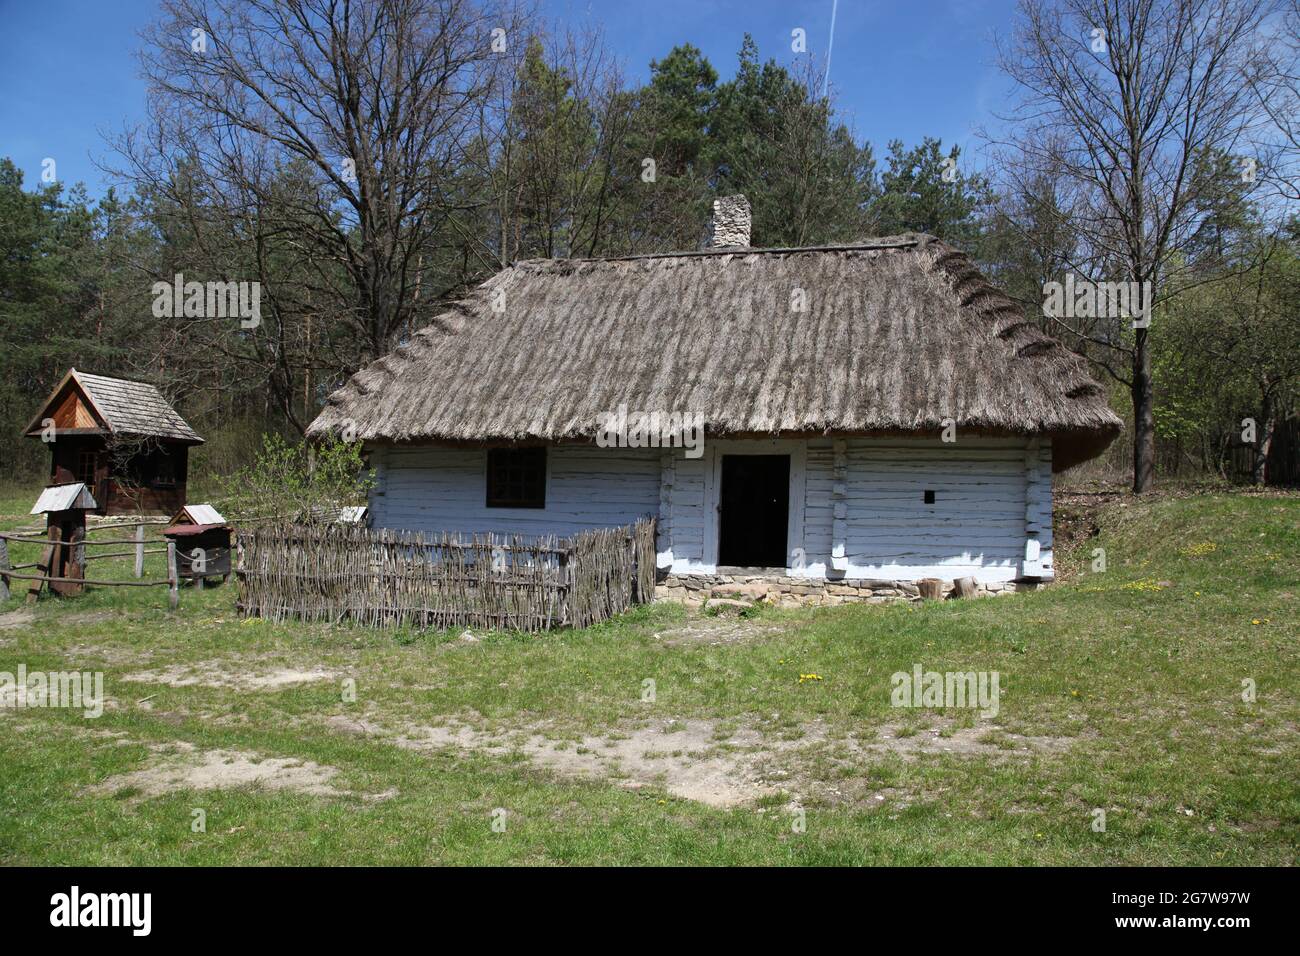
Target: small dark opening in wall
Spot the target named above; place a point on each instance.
(516, 477)
(929, 497)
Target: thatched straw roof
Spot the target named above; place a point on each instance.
(898, 335)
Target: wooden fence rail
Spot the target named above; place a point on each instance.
(51, 546)
(511, 582)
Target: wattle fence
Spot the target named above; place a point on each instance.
(502, 582)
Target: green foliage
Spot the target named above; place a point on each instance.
(50, 258)
(1028, 239)
(564, 176)
(306, 481)
(1228, 348)
(773, 138)
(916, 196)
(677, 104)
(554, 133)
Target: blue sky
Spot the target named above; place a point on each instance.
(901, 68)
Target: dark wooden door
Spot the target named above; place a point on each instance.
(754, 506)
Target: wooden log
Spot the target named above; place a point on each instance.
(46, 564)
(966, 587)
(123, 554)
(28, 539)
(4, 566)
(931, 588)
(74, 568)
(139, 550)
(86, 581)
(173, 579)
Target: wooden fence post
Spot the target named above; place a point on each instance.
(75, 566)
(565, 576)
(173, 579)
(4, 566)
(48, 565)
(139, 550)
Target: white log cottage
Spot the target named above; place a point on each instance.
(872, 415)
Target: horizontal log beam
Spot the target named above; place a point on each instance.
(101, 584)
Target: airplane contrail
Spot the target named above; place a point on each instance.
(826, 83)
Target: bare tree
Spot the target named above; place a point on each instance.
(1118, 100)
(1029, 239)
(369, 102)
(1275, 81)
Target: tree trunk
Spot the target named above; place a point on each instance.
(1263, 442)
(1144, 418)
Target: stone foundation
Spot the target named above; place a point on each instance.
(697, 589)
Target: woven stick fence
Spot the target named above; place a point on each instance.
(504, 582)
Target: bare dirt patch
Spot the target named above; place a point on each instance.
(962, 741)
(717, 764)
(226, 674)
(88, 617)
(111, 655)
(682, 756)
(25, 616)
(715, 630)
(20, 617)
(181, 766)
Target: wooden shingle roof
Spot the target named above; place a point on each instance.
(120, 407)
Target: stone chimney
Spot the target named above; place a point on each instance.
(730, 224)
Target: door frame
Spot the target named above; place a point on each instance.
(796, 448)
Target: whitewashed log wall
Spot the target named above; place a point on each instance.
(866, 517)
(445, 489)
(861, 509)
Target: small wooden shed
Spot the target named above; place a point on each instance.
(121, 439)
(202, 540)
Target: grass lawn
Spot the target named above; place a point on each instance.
(1120, 691)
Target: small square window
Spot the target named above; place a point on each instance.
(516, 478)
(929, 497)
(87, 464)
(164, 473)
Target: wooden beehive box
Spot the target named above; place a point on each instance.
(202, 542)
